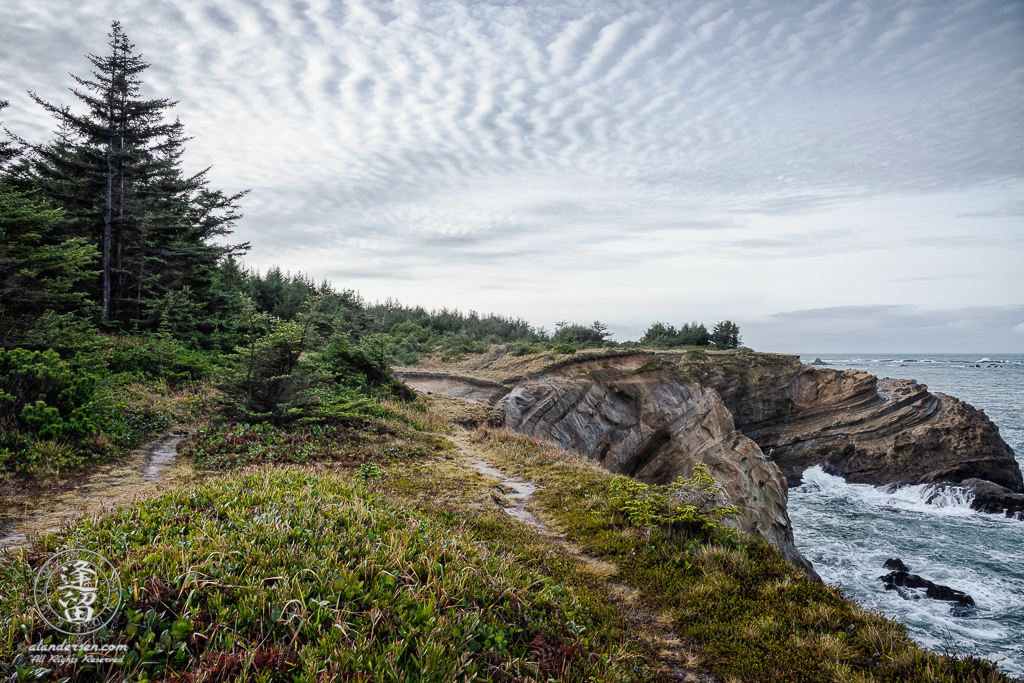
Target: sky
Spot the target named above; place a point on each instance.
(832, 176)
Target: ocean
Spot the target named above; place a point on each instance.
(849, 530)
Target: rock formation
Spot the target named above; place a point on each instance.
(902, 581)
(654, 416)
(864, 429)
(655, 427)
(995, 499)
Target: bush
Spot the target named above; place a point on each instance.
(457, 346)
(687, 504)
(47, 397)
(160, 356)
(581, 336)
(523, 348)
(695, 355)
(564, 348)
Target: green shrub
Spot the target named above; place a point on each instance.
(47, 397)
(457, 346)
(687, 504)
(564, 348)
(524, 348)
(696, 355)
(161, 356)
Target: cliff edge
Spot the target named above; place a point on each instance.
(864, 429)
(645, 421)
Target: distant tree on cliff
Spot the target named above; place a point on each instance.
(661, 335)
(664, 336)
(726, 335)
(580, 335)
(694, 334)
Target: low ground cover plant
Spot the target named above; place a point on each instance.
(746, 613)
(293, 574)
(59, 414)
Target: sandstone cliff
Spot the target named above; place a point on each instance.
(865, 429)
(652, 425)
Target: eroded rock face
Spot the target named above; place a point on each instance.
(654, 427)
(866, 430)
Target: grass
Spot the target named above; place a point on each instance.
(305, 575)
(371, 551)
(749, 613)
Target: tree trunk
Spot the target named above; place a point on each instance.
(108, 209)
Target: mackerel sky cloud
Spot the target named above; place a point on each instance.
(832, 175)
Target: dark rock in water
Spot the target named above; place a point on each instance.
(904, 579)
(817, 361)
(900, 581)
(895, 564)
(936, 592)
(995, 499)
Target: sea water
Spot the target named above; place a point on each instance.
(849, 530)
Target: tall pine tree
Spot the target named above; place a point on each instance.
(116, 170)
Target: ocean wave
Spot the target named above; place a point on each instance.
(925, 498)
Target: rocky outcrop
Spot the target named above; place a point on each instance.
(995, 499)
(864, 429)
(904, 583)
(654, 416)
(654, 426)
(468, 389)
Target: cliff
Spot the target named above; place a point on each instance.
(648, 423)
(756, 420)
(864, 429)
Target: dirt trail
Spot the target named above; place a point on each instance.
(31, 506)
(655, 626)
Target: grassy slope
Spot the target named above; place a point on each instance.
(379, 553)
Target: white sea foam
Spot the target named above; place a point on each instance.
(849, 530)
(925, 498)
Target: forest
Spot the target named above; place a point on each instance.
(118, 277)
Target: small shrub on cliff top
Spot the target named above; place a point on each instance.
(564, 348)
(687, 504)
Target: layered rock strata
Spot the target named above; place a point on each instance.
(864, 429)
(654, 427)
(654, 416)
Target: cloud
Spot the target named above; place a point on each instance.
(560, 142)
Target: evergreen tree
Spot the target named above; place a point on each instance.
(726, 335)
(693, 334)
(117, 172)
(37, 273)
(112, 154)
(8, 152)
